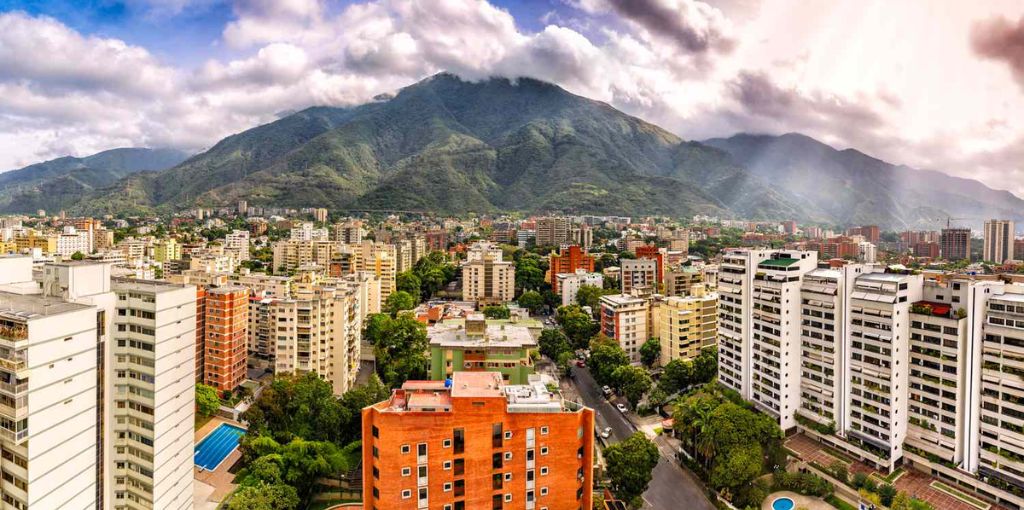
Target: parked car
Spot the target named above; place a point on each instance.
(607, 391)
(606, 432)
(621, 407)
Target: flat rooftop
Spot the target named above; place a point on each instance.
(26, 307)
(438, 396)
(781, 262)
(454, 334)
(621, 299)
(155, 286)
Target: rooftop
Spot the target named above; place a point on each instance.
(782, 262)
(438, 396)
(31, 306)
(454, 334)
(154, 286)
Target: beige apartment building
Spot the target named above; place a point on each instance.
(486, 278)
(686, 325)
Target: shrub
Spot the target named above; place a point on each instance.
(859, 479)
(839, 471)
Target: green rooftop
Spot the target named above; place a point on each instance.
(779, 262)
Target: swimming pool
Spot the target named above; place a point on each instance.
(782, 504)
(217, 445)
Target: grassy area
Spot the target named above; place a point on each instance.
(956, 493)
(839, 503)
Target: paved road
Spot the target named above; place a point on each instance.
(672, 485)
(606, 415)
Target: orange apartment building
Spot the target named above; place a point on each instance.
(200, 333)
(568, 261)
(227, 322)
(475, 444)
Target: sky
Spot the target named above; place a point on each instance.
(935, 84)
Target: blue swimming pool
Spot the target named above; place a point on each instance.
(783, 504)
(217, 445)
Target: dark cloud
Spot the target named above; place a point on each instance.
(1000, 39)
(761, 97)
(694, 26)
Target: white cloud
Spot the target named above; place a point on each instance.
(870, 75)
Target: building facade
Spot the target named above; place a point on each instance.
(486, 278)
(999, 241)
(226, 341)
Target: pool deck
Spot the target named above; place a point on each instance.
(212, 487)
(800, 501)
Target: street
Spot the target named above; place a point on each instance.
(672, 485)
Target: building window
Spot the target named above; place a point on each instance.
(508, 477)
(460, 441)
(508, 498)
(406, 494)
(544, 430)
(447, 443)
(543, 491)
(447, 465)
(406, 471)
(543, 450)
(447, 486)
(508, 455)
(508, 434)
(406, 449)
(544, 471)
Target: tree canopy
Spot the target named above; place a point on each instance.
(650, 352)
(605, 357)
(207, 401)
(400, 346)
(630, 464)
(398, 301)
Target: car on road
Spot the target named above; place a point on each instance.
(621, 407)
(606, 432)
(581, 364)
(606, 390)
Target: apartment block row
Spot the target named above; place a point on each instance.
(882, 363)
(96, 388)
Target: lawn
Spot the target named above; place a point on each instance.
(839, 503)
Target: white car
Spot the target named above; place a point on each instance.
(621, 407)
(606, 432)
(607, 391)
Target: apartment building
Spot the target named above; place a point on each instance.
(486, 278)
(639, 274)
(152, 380)
(569, 284)
(680, 279)
(998, 241)
(349, 232)
(474, 345)
(236, 244)
(72, 240)
(759, 327)
(379, 259)
(477, 443)
(166, 250)
(552, 231)
(568, 260)
(955, 243)
(624, 318)
(581, 235)
(200, 342)
(226, 341)
(656, 254)
(46, 466)
(685, 325)
(292, 254)
(305, 231)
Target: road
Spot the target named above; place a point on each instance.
(672, 485)
(606, 415)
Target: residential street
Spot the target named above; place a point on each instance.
(672, 486)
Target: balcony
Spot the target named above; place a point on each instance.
(13, 331)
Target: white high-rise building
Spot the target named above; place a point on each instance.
(759, 327)
(110, 361)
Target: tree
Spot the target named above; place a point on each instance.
(531, 300)
(529, 274)
(705, 366)
(886, 492)
(207, 402)
(900, 502)
(578, 325)
(400, 346)
(398, 301)
(840, 471)
(77, 256)
(408, 281)
(677, 375)
(738, 468)
(299, 406)
(497, 312)
(650, 351)
(264, 496)
(630, 464)
(553, 343)
(605, 357)
(589, 295)
(632, 381)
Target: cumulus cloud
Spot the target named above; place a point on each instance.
(1000, 39)
(699, 68)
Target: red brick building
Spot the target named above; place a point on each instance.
(227, 325)
(930, 250)
(436, 240)
(568, 261)
(474, 444)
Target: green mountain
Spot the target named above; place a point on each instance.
(848, 187)
(451, 146)
(61, 183)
